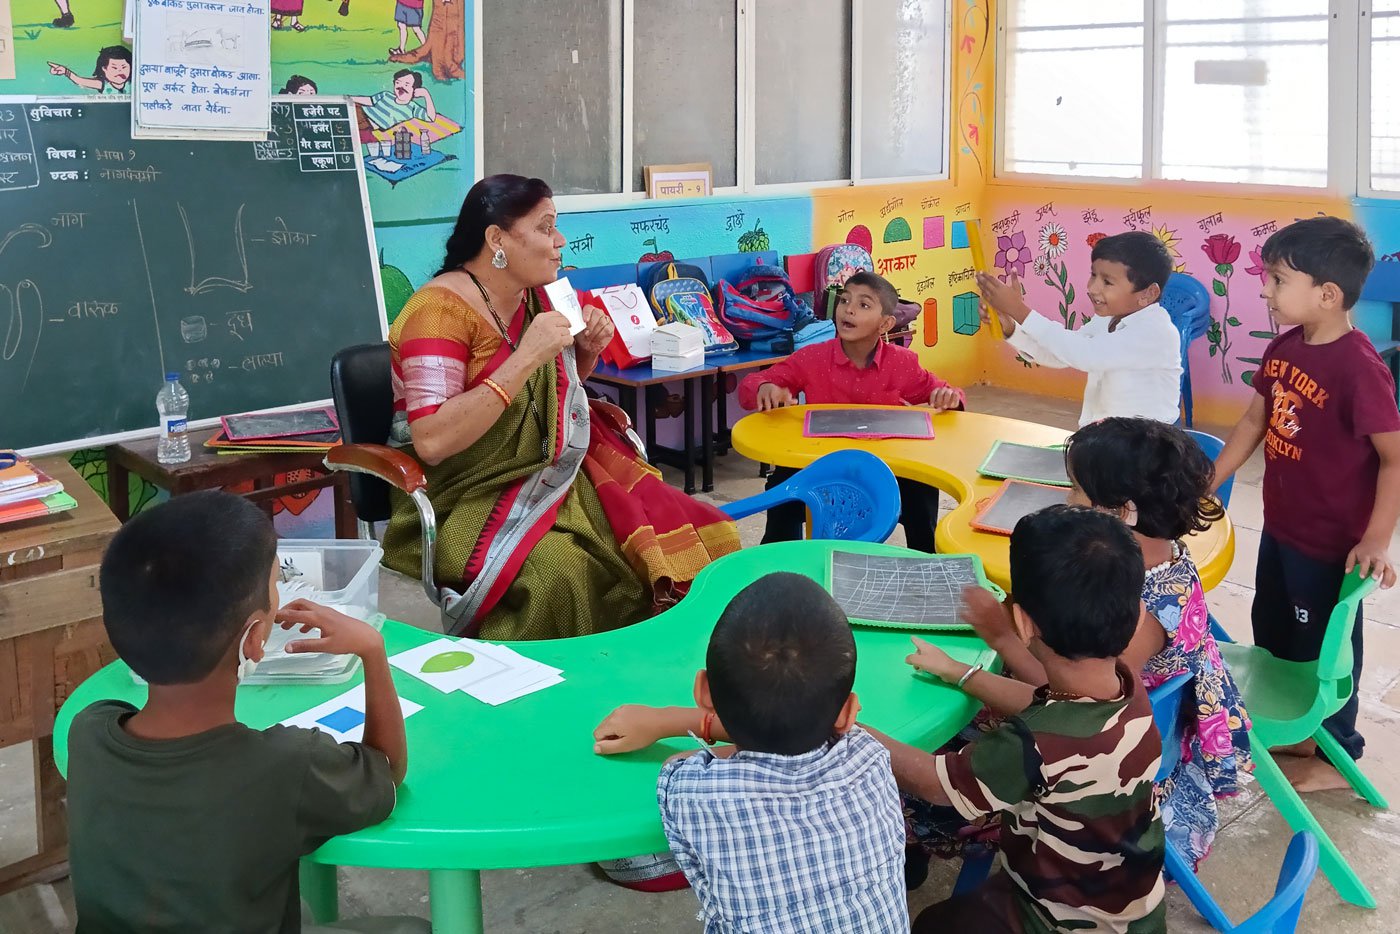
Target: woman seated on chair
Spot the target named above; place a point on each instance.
(551, 523)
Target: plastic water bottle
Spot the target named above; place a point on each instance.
(173, 404)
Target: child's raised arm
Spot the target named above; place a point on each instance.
(1241, 444)
(344, 635)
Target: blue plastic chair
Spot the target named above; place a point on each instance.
(1212, 446)
(853, 496)
(1188, 303)
(1278, 916)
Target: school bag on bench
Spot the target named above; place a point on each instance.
(833, 266)
(761, 308)
(680, 298)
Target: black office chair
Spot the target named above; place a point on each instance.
(364, 404)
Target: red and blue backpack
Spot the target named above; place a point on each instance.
(761, 305)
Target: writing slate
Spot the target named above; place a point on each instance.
(243, 265)
(868, 423)
(1010, 461)
(1014, 501)
(909, 592)
(263, 425)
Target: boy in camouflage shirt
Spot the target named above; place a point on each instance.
(1081, 839)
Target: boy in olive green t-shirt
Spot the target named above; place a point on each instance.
(181, 818)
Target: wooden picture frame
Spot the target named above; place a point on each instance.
(684, 180)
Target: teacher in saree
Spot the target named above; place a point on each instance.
(551, 522)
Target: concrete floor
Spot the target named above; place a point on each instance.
(1240, 872)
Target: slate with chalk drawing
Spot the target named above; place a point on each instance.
(1010, 461)
(1015, 500)
(915, 592)
(868, 423)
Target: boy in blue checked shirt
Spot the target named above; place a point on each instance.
(798, 826)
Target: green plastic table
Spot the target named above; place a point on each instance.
(519, 785)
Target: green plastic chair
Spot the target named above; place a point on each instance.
(1287, 702)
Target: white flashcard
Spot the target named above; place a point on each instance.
(301, 565)
(447, 664)
(343, 717)
(565, 301)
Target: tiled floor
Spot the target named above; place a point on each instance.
(573, 898)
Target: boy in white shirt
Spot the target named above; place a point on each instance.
(1130, 348)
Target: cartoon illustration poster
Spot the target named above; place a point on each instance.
(403, 64)
(7, 42)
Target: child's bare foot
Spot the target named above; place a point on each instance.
(1313, 774)
(1304, 750)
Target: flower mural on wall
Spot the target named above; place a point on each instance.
(976, 33)
(1170, 240)
(1012, 254)
(1257, 260)
(1054, 271)
(1053, 240)
(1222, 250)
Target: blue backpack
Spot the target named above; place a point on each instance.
(678, 293)
(761, 306)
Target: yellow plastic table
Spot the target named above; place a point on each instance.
(948, 461)
(519, 785)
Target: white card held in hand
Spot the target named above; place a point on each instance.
(565, 301)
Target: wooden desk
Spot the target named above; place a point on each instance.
(628, 381)
(51, 640)
(208, 470)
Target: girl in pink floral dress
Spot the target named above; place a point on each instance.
(1157, 480)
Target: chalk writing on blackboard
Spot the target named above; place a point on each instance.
(913, 591)
(198, 286)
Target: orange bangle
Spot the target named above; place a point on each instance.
(495, 387)
(707, 724)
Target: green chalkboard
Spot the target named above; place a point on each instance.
(242, 265)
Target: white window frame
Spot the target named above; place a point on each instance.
(745, 131)
(1364, 188)
(1348, 111)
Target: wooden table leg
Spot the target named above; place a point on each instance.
(320, 889)
(48, 784)
(118, 493)
(345, 525)
(708, 386)
(455, 897)
(689, 434)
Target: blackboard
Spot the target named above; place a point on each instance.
(911, 592)
(242, 265)
(1014, 501)
(1008, 460)
(869, 423)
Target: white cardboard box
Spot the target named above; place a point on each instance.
(675, 363)
(677, 340)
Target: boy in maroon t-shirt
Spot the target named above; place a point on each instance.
(1325, 410)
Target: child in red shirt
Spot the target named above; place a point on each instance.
(1325, 411)
(857, 368)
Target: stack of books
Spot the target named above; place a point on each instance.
(26, 492)
(277, 432)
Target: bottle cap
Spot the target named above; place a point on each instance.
(172, 377)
